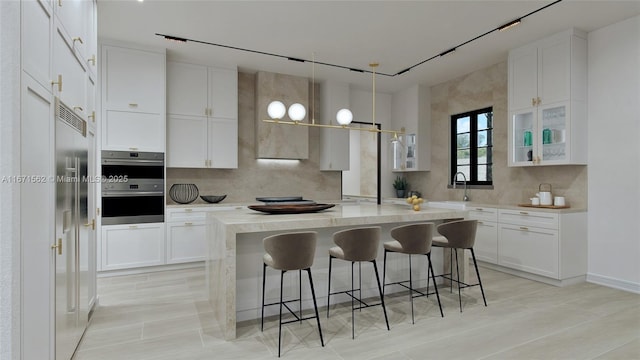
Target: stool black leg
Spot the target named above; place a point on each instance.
(315, 305)
(384, 309)
(384, 271)
(280, 321)
(353, 319)
(413, 321)
(478, 274)
(360, 285)
(430, 268)
(329, 286)
(300, 293)
(458, 277)
(264, 280)
(451, 269)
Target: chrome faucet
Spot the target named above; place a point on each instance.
(464, 179)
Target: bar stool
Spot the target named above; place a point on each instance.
(412, 239)
(284, 252)
(460, 234)
(356, 245)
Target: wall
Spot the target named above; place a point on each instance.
(255, 177)
(511, 185)
(614, 155)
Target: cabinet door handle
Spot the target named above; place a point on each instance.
(524, 228)
(533, 101)
(133, 148)
(539, 101)
(58, 246)
(59, 83)
(133, 226)
(479, 209)
(524, 213)
(188, 210)
(92, 116)
(92, 60)
(78, 39)
(135, 105)
(188, 223)
(92, 224)
(480, 223)
(78, 108)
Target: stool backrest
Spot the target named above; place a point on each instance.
(414, 238)
(359, 244)
(460, 234)
(291, 251)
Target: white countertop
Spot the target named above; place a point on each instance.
(346, 214)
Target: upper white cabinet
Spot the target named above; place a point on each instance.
(411, 110)
(202, 125)
(133, 98)
(547, 101)
(36, 41)
(334, 143)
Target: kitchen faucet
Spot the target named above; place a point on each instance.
(464, 179)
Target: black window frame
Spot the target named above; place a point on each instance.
(473, 147)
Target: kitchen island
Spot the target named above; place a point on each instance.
(234, 262)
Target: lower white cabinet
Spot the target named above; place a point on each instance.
(550, 244)
(186, 233)
(486, 245)
(132, 246)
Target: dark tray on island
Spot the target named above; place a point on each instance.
(291, 208)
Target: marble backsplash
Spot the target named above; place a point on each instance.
(511, 185)
(257, 177)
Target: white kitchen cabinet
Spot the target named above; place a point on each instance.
(486, 244)
(411, 111)
(69, 74)
(131, 246)
(186, 235)
(74, 21)
(547, 101)
(133, 98)
(549, 244)
(202, 125)
(36, 40)
(334, 143)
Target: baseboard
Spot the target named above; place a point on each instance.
(614, 283)
(530, 276)
(148, 269)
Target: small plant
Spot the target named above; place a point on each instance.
(400, 183)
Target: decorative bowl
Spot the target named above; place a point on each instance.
(212, 199)
(183, 193)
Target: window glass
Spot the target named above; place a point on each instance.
(472, 146)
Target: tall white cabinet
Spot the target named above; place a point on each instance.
(57, 43)
(202, 121)
(547, 101)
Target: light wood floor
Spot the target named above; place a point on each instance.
(165, 316)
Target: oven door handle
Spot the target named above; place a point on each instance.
(131, 193)
(140, 162)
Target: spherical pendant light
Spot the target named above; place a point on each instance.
(276, 110)
(297, 112)
(344, 117)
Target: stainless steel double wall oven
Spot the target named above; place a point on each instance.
(132, 187)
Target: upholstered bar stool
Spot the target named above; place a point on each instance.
(285, 252)
(412, 239)
(356, 245)
(456, 235)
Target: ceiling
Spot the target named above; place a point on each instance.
(396, 34)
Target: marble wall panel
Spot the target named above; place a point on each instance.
(280, 141)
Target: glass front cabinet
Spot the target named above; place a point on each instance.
(540, 136)
(547, 101)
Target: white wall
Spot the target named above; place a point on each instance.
(9, 192)
(614, 155)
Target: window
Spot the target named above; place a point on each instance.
(472, 146)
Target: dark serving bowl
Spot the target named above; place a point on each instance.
(212, 199)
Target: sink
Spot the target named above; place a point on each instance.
(458, 205)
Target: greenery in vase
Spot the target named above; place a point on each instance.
(400, 183)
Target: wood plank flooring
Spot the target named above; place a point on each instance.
(166, 316)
